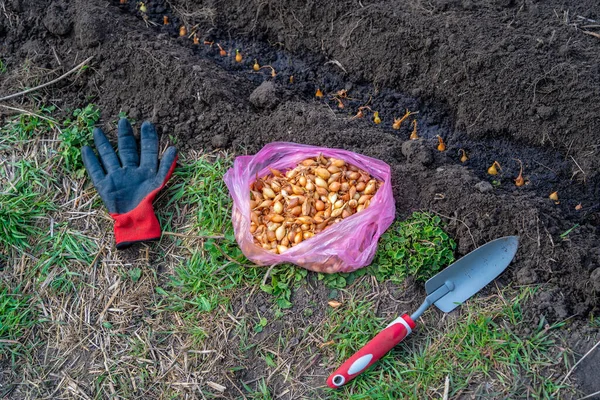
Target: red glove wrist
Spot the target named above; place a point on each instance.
(137, 225)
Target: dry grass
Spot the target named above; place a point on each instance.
(187, 318)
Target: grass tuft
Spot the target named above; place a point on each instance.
(16, 317)
(487, 343)
(190, 314)
(416, 247)
(76, 133)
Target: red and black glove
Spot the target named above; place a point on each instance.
(129, 187)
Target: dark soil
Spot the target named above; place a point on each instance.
(504, 80)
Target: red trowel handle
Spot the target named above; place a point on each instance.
(385, 340)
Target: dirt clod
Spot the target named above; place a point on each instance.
(530, 94)
(526, 276)
(484, 186)
(545, 112)
(595, 279)
(91, 26)
(265, 96)
(417, 152)
(58, 19)
(219, 141)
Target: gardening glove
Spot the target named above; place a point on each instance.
(128, 188)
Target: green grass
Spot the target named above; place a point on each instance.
(194, 278)
(203, 280)
(31, 225)
(262, 391)
(28, 204)
(486, 344)
(16, 317)
(2, 66)
(21, 129)
(65, 252)
(27, 183)
(76, 133)
(417, 247)
(199, 183)
(18, 217)
(23, 201)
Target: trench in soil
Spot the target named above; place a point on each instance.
(561, 268)
(545, 170)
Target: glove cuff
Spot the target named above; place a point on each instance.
(140, 224)
(137, 225)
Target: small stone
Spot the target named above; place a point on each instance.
(561, 310)
(484, 187)
(565, 50)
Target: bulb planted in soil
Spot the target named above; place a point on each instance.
(413, 135)
(376, 118)
(493, 170)
(519, 181)
(289, 207)
(441, 145)
(399, 121)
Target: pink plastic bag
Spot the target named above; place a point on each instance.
(343, 247)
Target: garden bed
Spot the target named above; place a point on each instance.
(505, 81)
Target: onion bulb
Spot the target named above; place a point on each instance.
(441, 145)
(493, 170)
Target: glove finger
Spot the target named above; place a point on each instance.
(105, 149)
(128, 152)
(92, 165)
(149, 157)
(167, 165)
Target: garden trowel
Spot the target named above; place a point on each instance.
(446, 290)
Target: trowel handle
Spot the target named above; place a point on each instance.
(377, 347)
